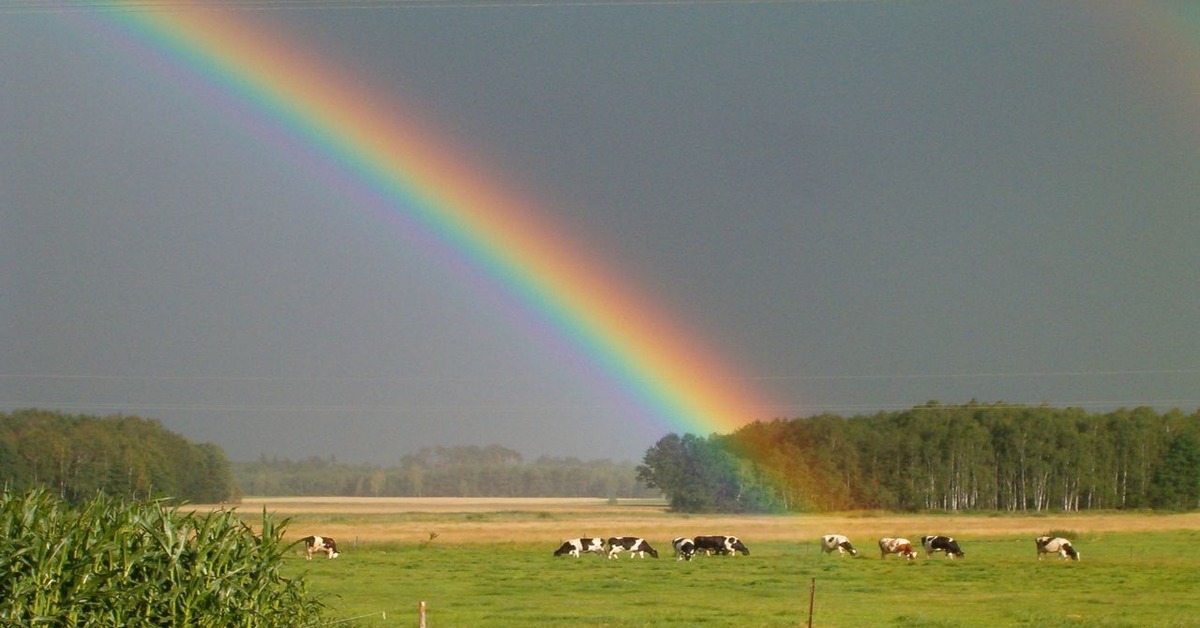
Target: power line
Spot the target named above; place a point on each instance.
(510, 409)
(420, 378)
(994, 374)
(146, 6)
(323, 408)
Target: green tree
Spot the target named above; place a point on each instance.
(79, 457)
(1176, 481)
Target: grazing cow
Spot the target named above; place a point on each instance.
(685, 548)
(314, 544)
(938, 543)
(575, 547)
(1056, 545)
(720, 545)
(902, 547)
(831, 542)
(632, 544)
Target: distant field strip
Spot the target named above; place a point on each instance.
(549, 520)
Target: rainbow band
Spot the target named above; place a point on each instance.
(667, 375)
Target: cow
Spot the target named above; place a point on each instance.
(720, 545)
(685, 548)
(575, 547)
(1056, 545)
(314, 544)
(937, 543)
(902, 547)
(632, 544)
(831, 542)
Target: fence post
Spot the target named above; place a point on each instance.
(813, 594)
(422, 614)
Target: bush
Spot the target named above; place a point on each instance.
(113, 563)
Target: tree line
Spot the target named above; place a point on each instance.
(80, 457)
(77, 457)
(465, 471)
(973, 457)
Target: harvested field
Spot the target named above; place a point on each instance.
(548, 520)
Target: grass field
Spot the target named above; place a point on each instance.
(490, 564)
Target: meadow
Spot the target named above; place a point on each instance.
(490, 563)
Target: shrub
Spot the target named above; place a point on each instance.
(109, 563)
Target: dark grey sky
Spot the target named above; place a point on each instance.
(867, 205)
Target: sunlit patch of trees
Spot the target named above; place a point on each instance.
(973, 457)
(79, 457)
(466, 471)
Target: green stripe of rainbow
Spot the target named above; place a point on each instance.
(651, 357)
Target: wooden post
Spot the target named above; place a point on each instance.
(813, 594)
(422, 608)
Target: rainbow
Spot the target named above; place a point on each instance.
(659, 367)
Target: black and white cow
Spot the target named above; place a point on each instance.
(314, 544)
(685, 548)
(575, 547)
(719, 545)
(832, 542)
(1056, 545)
(937, 543)
(902, 547)
(632, 544)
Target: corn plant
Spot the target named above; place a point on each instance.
(113, 563)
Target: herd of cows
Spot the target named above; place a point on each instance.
(686, 548)
(938, 543)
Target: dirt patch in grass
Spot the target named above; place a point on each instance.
(549, 520)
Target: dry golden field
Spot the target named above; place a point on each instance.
(549, 520)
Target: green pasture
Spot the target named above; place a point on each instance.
(1123, 579)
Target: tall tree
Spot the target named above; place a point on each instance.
(1176, 481)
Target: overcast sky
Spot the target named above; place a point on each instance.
(865, 205)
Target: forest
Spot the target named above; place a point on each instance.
(972, 457)
(79, 457)
(933, 457)
(465, 471)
